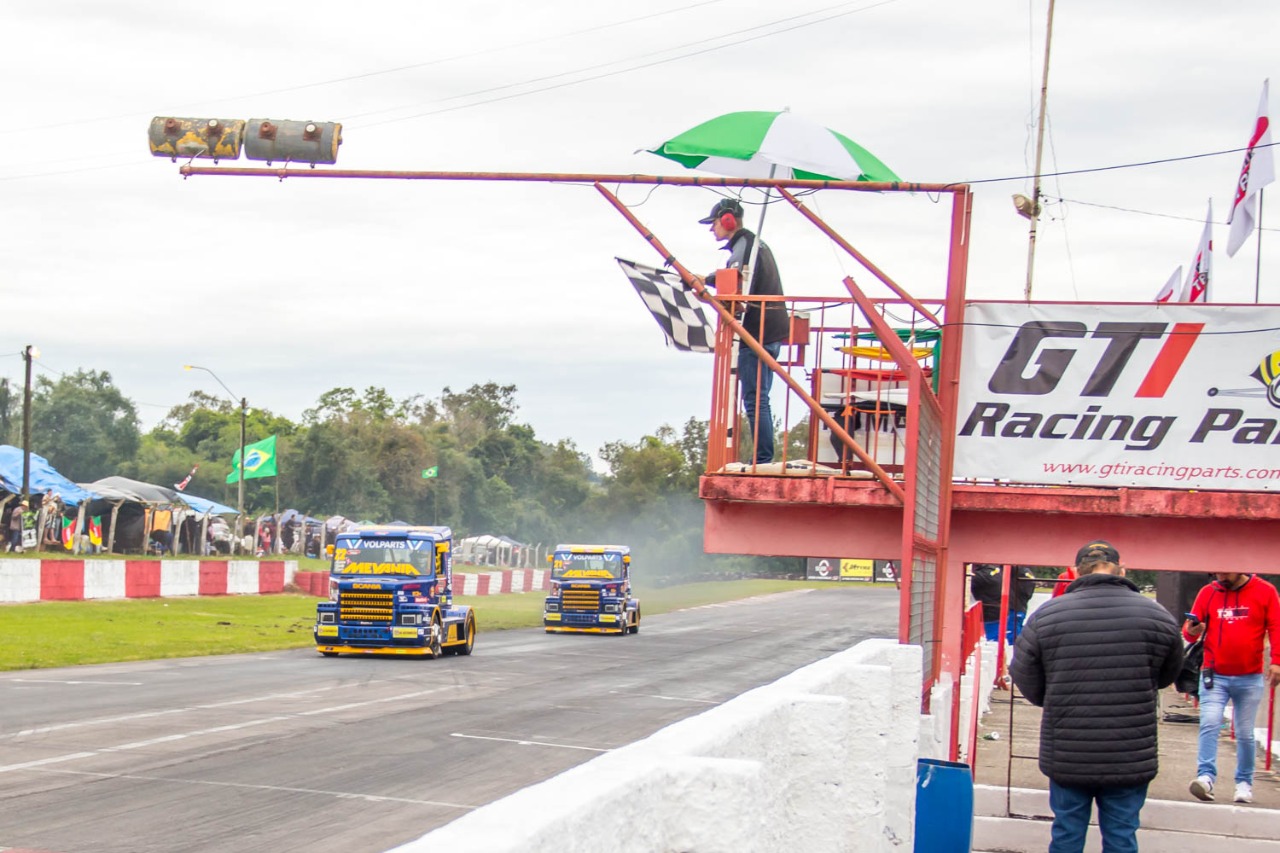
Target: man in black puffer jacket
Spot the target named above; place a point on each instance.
(1095, 660)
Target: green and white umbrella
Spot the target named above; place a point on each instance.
(773, 144)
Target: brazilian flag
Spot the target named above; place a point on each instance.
(259, 461)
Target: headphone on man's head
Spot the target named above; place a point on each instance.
(728, 221)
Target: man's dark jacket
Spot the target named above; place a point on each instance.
(765, 281)
(1094, 659)
(986, 585)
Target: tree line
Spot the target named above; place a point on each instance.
(362, 454)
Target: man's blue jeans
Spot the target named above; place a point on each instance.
(1012, 628)
(1245, 693)
(1118, 810)
(755, 398)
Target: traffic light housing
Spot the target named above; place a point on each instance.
(292, 141)
(217, 138)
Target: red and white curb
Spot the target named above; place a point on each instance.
(25, 580)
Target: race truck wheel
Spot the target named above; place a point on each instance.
(635, 626)
(330, 654)
(436, 632)
(465, 648)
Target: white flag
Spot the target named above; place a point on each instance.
(1259, 169)
(1171, 286)
(1196, 287)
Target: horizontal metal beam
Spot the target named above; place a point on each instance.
(571, 178)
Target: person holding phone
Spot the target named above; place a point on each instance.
(1234, 613)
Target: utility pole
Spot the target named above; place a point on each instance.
(29, 352)
(244, 411)
(1035, 187)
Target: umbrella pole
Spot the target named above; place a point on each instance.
(755, 244)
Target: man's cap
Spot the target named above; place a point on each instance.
(1098, 551)
(723, 206)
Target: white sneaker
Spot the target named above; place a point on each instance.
(1202, 788)
(1244, 792)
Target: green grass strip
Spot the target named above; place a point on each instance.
(72, 633)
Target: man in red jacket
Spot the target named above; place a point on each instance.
(1233, 613)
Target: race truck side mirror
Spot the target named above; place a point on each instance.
(550, 557)
(328, 550)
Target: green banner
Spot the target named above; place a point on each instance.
(433, 471)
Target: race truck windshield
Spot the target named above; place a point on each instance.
(386, 560)
(587, 567)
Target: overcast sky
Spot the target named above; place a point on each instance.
(109, 260)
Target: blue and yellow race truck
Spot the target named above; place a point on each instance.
(391, 593)
(591, 591)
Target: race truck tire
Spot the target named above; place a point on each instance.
(465, 648)
(635, 626)
(436, 631)
(330, 654)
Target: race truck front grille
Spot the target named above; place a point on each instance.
(365, 607)
(581, 599)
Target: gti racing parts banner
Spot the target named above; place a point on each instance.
(1149, 395)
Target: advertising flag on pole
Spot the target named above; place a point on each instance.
(429, 473)
(1196, 287)
(1259, 169)
(1171, 287)
(259, 461)
(186, 481)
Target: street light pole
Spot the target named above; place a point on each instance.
(29, 352)
(244, 411)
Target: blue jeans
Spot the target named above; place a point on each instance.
(748, 365)
(1245, 693)
(1118, 810)
(1012, 628)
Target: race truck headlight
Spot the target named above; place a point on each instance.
(328, 618)
(553, 605)
(410, 618)
(613, 608)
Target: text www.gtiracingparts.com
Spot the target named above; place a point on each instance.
(1160, 469)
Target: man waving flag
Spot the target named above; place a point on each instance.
(1259, 169)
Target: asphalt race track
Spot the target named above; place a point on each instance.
(290, 751)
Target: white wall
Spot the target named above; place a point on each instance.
(822, 759)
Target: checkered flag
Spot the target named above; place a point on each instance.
(675, 308)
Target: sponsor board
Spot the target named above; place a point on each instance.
(1150, 395)
(846, 569)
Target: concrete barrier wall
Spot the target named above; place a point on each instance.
(822, 759)
(80, 580)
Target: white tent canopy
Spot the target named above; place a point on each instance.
(489, 550)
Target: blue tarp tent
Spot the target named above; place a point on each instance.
(204, 506)
(42, 477)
